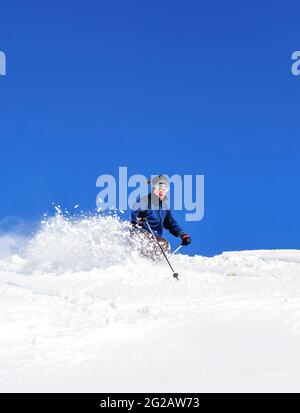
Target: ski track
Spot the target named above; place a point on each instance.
(83, 312)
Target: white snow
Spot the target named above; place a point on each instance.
(80, 311)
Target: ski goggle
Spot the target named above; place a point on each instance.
(162, 186)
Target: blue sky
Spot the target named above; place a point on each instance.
(188, 87)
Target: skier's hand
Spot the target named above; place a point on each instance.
(143, 215)
(186, 240)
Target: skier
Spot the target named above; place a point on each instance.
(155, 211)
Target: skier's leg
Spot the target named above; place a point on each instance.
(165, 244)
(142, 241)
(147, 246)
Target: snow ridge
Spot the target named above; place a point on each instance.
(77, 299)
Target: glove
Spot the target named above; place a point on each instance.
(143, 215)
(186, 240)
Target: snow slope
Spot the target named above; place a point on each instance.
(81, 311)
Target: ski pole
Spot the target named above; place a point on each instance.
(177, 249)
(175, 275)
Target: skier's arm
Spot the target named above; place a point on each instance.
(140, 211)
(171, 225)
(138, 216)
(134, 216)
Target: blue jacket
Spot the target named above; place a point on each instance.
(158, 218)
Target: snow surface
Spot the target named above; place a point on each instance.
(81, 311)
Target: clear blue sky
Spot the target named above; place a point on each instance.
(188, 87)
